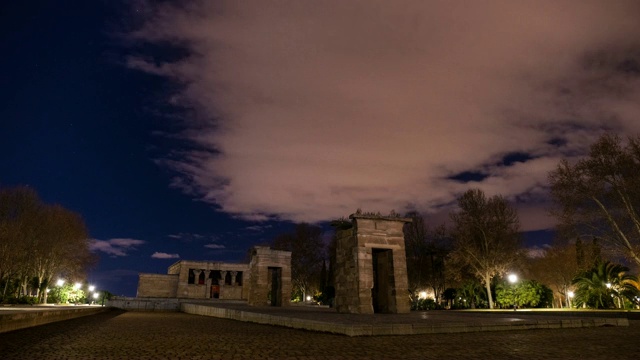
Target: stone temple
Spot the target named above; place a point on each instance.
(370, 272)
(266, 280)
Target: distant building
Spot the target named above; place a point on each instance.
(266, 280)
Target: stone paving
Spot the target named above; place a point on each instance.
(146, 335)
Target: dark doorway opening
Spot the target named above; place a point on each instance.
(275, 274)
(383, 281)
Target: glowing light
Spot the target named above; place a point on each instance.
(512, 278)
(77, 286)
(422, 295)
(60, 282)
(96, 295)
(571, 294)
(608, 285)
(91, 288)
(308, 298)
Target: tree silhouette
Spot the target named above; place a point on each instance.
(485, 237)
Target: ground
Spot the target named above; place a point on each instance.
(136, 335)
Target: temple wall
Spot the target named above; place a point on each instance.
(260, 284)
(157, 285)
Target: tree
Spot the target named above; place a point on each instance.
(307, 255)
(599, 195)
(605, 286)
(425, 253)
(485, 237)
(37, 242)
(557, 268)
(472, 294)
(529, 293)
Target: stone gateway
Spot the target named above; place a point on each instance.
(371, 266)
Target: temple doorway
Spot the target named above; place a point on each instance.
(383, 281)
(275, 274)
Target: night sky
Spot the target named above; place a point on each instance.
(193, 131)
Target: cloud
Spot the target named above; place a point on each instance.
(189, 237)
(214, 246)
(258, 228)
(162, 255)
(115, 247)
(536, 252)
(306, 111)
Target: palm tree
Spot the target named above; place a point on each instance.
(600, 286)
(473, 294)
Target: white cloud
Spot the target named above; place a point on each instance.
(162, 255)
(307, 111)
(214, 246)
(115, 247)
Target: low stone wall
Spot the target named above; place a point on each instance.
(10, 320)
(145, 304)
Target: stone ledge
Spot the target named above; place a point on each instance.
(381, 329)
(28, 318)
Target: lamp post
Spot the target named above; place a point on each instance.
(570, 295)
(513, 278)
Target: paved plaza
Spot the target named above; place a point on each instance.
(140, 335)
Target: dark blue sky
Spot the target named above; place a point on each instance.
(78, 126)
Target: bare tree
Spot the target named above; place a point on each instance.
(599, 195)
(486, 237)
(426, 252)
(307, 255)
(39, 241)
(556, 268)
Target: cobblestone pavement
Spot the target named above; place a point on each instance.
(134, 335)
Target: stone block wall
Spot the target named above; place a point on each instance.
(354, 274)
(157, 285)
(260, 284)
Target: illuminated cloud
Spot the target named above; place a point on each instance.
(115, 247)
(214, 246)
(189, 237)
(162, 255)
(306, 111)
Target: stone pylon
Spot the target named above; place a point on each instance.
(371, 266)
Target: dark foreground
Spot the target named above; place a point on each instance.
(131, 335)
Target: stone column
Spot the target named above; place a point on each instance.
(234, 275)
(196, 276)
(207, 283)
(223, 275)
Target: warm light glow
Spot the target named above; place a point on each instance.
(95, 295)
(77, 286)
(608, 285)
(91, 288)
(512, 278)
(422, 295)
(48, 290)
(571, 294)
(60, 282)
(308, 298)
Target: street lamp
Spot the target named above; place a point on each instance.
(60, 282)
(91, 288)
(571, 295)
(513, 278)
